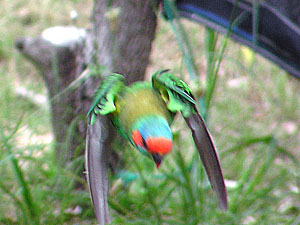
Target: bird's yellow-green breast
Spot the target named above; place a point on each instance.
(137, 101)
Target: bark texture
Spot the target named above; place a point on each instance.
(120, 44)
(124, 41)
(137, 24)
(59, 66)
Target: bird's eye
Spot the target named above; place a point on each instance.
(144, 143)
(138, 139)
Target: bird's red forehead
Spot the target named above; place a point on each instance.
(159, 145)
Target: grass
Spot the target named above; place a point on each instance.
(253, 117)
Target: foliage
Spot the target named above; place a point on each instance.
(253, 117)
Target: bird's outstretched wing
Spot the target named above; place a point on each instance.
(97, 146)
(98, 140)
(104, 99)
(178, 97)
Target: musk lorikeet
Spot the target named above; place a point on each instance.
(142, 113)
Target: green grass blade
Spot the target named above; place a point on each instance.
(255, 8)
(23, 185)
(214, 58)
(182, 38)
(150, 198)
(18, 203)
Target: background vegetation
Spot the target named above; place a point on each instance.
(254, 119)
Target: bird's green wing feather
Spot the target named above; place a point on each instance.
(104, 99)
(179, 98)
(174, 91)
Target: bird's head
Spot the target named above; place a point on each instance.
(153, 135)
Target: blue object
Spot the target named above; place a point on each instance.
(272, 29)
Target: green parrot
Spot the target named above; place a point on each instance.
(142, 113)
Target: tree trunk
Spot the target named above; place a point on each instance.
(134, 38)
(125, 39)
(60, 64)
(121, 44)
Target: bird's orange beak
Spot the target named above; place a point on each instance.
(157, 159)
